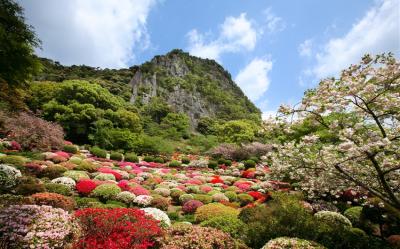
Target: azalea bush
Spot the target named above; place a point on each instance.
(122, 228)
(294, 243)
(54, 200)
(8, 176)
(194, 237)
(106, 191)
(212, 210)
(356, 140)
(34, 133)
(32, 226)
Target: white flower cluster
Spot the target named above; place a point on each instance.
(158, 215)
(202, 163)
(67, 181)
(143, 200)
(126, 197)
(8, 175)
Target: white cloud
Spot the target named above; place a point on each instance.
(93, 32)
(253, 79)
(377, 32)
(236, 34)
(274, 23)
(305, 48)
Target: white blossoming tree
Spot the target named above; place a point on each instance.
(361, 111)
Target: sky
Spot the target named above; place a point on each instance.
(274, 50)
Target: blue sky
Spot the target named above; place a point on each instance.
(274, 50)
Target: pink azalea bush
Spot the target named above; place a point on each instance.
(32, 226)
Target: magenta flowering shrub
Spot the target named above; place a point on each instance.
(191, 206)
(32, 226)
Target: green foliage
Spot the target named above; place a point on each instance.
(185, 160)
(116, 156)
(156, 110)
(131, 157)
(237, 131)
(52, 172)
(244, 199)
(212, 210)
(284, 216)
(232, 225)
(206, 199)
(70, 149)
(154, 146)
(228, 162)
(212, 164)
(17, 60)
(106, 191)
(158, 160)
(202, 143)
(28, 185)
(76, 175)
(354, 215)
(232, 196)
(175, 125)
(86, 166)
(75, 118)
(148, 159)
(249, 164)
(85, 202)
(18, 161)
(98, 152)
(175, 164)
(206, 126)
(58, 189)
(84, 92)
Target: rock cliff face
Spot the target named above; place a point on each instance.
(195, 86)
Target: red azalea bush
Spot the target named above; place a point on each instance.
(118, 228)
(54, 200)
(191, 206)
(124, 185)
(256, 195)
(216, 179)
(250, 173)
(138, 190)
(85, 186)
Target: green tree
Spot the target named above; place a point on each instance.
(156, 109)
(17, 42)
(124, 119)
(175, 125)
(237, 131)
(75, 118)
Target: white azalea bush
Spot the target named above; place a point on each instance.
(8, 176)
(333, 218)
(158, 215)
(292, 243)
(354, 139)
(67, 181)
(143, 200)
(126, 197)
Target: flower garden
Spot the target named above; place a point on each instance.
(76, 198)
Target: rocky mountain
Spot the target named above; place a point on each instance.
(195, 86)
